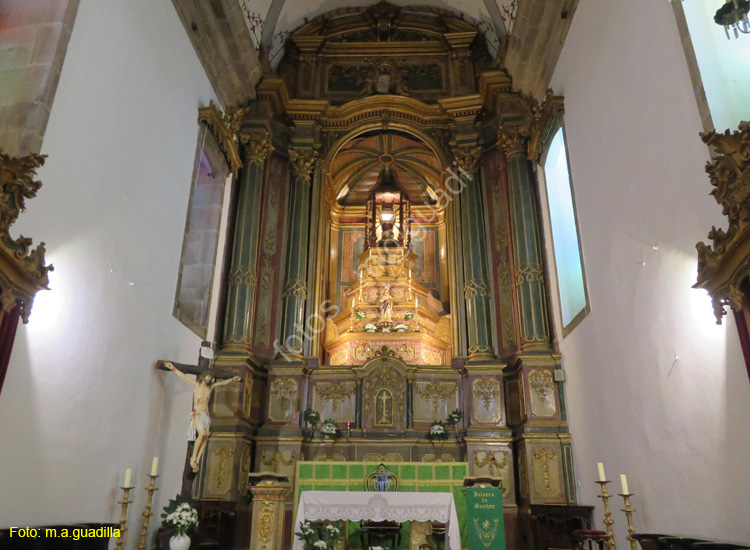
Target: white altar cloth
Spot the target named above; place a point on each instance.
(393, 506)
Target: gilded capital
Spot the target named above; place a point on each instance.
(513, 140)
(257, 146)
(303, 162)
(468, 159)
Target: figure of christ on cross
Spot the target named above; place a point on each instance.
(200, 418)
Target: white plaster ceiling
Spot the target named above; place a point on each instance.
(286, 15)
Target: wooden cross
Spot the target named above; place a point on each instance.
(204, 363)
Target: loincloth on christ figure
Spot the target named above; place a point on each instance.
(205, 422)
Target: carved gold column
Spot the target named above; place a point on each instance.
(527, 243)
(295, 290)
(243, 273)
(476, 281)
(267, 529)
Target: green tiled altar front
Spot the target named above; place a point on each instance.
(438, 477)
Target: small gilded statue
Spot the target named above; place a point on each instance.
(200, 418)
(386, 307)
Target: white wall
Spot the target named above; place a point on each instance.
(82, 400)
(637, 167)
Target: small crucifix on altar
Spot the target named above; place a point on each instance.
(203, 386)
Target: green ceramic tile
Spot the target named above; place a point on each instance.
(339, 471)
(424, 472)
(442, 472)
(305, 471)
(407, 472)
(322, 471)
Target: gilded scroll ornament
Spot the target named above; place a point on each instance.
(266, 522)
(222, 471)
(335, 392)
(513, 140)
(487, 390)
(224, 126)
(24, 272)
(468, 159)
(340, 356)
(544, 457)
(257, 146)
(243, 276)
(542, 389)
(724, 265)
(296, 288)
(285, 390)
(276, 462)
(492, 460)
(443, 329)
(436, 392)
(303, 163)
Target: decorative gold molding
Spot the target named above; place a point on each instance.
(513, 140)
(224, 127)
(257, 146)
(435, 392)
(303, 163)
(22, 272)
(335, 392)
(724, 266)
(468, 159)
(486, 389)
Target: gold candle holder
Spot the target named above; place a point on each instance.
(608, 521)
(151, 489)
(123, 516)
(629, 516)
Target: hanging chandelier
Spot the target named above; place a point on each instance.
(733, 15)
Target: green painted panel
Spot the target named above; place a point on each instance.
(357, 471)
(424, 472)
(459, 471)
(339, 471)
(305, 471)
(322, 471)
(442, 472)
(407, 472)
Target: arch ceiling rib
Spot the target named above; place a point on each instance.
(357, 167)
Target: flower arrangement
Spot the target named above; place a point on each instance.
(454, 418)
(311, 417)
(437, 431)
(329, 429)
(179, 516)
(360, 315)
(369, 327)
(400, 328)
(323, 537)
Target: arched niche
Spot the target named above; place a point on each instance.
(385, 406)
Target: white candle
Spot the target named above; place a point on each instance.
(416, 303)
(128, 477)
(624, 483)
(154, 465)
(600, 467)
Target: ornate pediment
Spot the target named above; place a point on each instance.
(724, 265)
(22, 269)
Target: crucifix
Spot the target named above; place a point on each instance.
(200, 418)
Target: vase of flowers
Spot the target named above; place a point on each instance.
(400, 328)
(322, 537)
(179, 517)
(329, 430)
(437, 435)
(369, 327)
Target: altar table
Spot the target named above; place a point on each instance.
(380, 506)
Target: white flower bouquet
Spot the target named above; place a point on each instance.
(329, 429)
(369, 327)
(400, 328)
(437, 431)
(319, 537)
(178, 517)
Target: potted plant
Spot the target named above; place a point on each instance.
(453, 419)
(400, 328)
(437, 431)
(312, 418)
(179, 517)
(323, 537)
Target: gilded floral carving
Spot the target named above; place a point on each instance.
(436, 392)
(335, 392)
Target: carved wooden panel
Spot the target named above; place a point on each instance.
(384, 397)
(335, 400)
(282, 402)
(487, 402)
(434, 400)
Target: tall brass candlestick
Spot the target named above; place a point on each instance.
(608, 521)
(629, 515)
(151, 489)
(124, 516)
